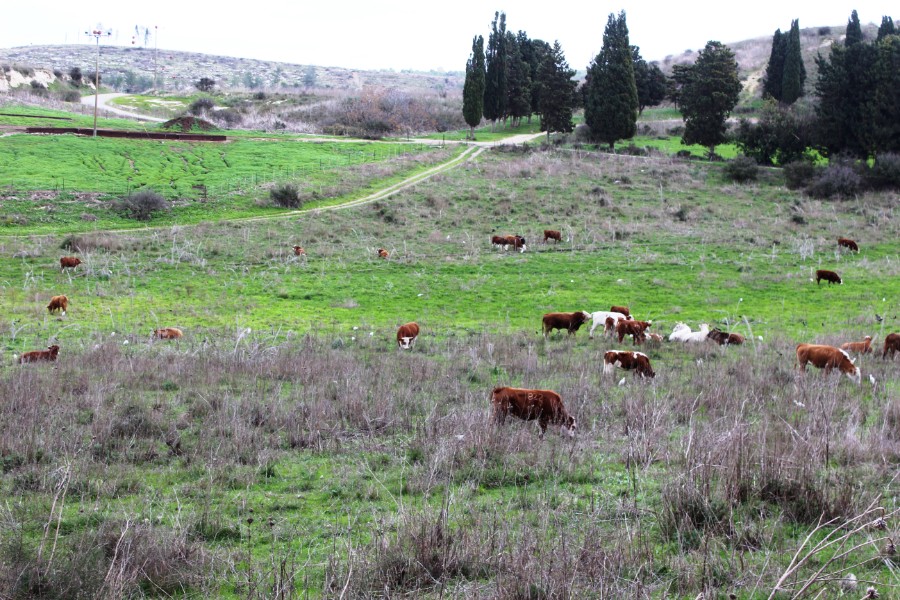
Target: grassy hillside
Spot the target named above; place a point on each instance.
(285, 446)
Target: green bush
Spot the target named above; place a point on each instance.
(285, 196)
(141, 205)
(741, 169)
(885, 173)
(798, 174)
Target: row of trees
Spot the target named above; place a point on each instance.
(519, 76)
(857, 101)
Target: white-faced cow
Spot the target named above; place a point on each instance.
(628, 360)
(571, 322)
(406, 335)
(828, 358)
(544, 406)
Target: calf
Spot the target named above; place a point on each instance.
(848, 244)
(829, 276)
(568, 321)
(723, 338)
(620, 309)
(167, 333)
(58, 303)
(828, 358)
(625, 359)
(552, 234)
(636, 329)
(299, 251)
(863, 347)
(602, 317)
(382, 253)
(891, 344)
(69, 262)
(406, 335)
(37, 355)
(545, 406)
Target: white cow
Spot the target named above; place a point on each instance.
(599, 320)
(683, 333)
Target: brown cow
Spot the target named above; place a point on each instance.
(828, 358)
(636, 329)
(655, 337)
(628, 360)
(568, 321)
(60, 303)
(498, 240)
(892, 344)
(382, 253)
(723, 338)
(545, 406)
(848, 243)
(299, 251)
(167, 333)
(552, 234)
(620, 309)
(829, 276)
(863, 347)
(37, 355)
(69, 262)
(407, 334)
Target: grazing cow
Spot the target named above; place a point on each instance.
(552, 234)
(167, 333)
(545, 406)
(602, 317)
(863, 347)
(829, 276)
(299, 251)
(498, 240)
(38, 355)
(892, 344)
(568, 321)
(60, 303)
(69, 262)
(848, 243)
(625, 359)
(828, 358)
(407, 334)
(723, 338)
(636, 329)
(517, 242)
(620, 309)
(382, 253)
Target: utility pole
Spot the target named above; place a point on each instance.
(97, 33)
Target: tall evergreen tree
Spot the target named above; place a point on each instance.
(557, 92)
(473, 88)
(854, 30)
(883, 109)
(675, 84)
(518, 80)
(495, 98)
(794, 75)
(709, 96)
(775, 68)
(611, 98)
(535, 53)
(886, 28)
(649, 80)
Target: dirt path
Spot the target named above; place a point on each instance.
(103, 103)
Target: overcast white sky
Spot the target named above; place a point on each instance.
(408, 34)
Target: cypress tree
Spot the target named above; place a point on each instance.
(649, 80)
(537, 51)
(775, 69)
(884, 104)
(473, 88)
(518, 79)
(557, 92)
(611, 98)
(495, 74)
(794, 75)
(854, 30)
(886, 28)
(709, 95)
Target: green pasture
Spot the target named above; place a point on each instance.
(306, 435)
(489, 133)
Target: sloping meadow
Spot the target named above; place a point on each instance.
(285, 445)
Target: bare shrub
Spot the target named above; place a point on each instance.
(798, 174)
(141, 205)
(201, 106)
(285, 196)
(90, 242)
(839, 179)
